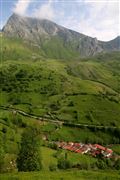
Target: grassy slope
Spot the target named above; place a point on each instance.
(55, 90)
(12, 126)
(85, 91)
(48, 159)
(13, 49)
(63, 175)
(56, 48)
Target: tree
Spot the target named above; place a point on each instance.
(2, 155)
(29, 158)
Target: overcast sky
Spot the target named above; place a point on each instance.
(96, 18)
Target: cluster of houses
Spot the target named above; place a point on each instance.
(92, 149)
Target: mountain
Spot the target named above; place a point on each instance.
(54, 40)
(79, 92)
(112, 45)
(83, 93)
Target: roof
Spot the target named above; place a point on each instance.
(100, 147)
(109, 150)
(78, 151)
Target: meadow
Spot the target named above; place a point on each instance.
(63, 175)
(85, 91)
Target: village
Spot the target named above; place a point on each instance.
(91, 149)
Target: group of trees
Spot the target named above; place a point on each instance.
(16, 79)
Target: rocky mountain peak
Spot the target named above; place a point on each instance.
(43, 31)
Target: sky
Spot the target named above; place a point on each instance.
(95, 18)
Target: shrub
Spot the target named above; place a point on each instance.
(53, 146)
(2, 156)
(101, 164)
(52, 167)
(64, 163)
(4, 130)
(117, 164)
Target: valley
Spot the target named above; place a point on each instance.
(69, 93)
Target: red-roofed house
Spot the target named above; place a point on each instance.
(97, 146)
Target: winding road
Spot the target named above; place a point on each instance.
(59, 122)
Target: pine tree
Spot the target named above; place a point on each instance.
(29, 158)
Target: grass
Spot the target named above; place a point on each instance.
(116, 148)
(81, 135)
(48, 87)
(50, 156)
(47, 157)
(63, 175)
(83, 91)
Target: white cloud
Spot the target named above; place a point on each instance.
(44, 11)
(102, 20)
(99, 18)
(21, 6)
(104, 34)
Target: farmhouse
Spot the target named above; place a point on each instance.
(99, 147)
(92, 149)
(107, 153)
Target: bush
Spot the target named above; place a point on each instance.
(101, 164)
(2, 156)
(85, 166)
(52, 167)
(53, 146)
(64, 164)
(4, 130)
(117, 164)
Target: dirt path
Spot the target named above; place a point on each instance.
(59, 122)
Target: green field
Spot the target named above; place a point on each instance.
(85, 91)
(48, 158)
(63, 175)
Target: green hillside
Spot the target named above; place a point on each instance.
(16, 49)
(83, 91)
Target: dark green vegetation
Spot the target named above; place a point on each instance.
(12, 127)
(85, 91)
(29, 156)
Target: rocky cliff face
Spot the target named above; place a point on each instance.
(42, 31)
